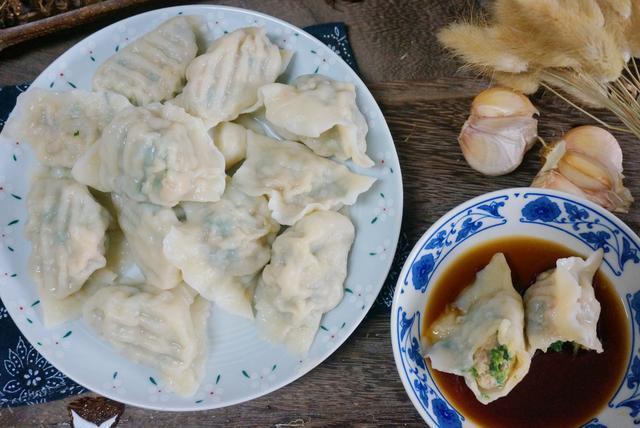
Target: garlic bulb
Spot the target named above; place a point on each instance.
(500, 129)
(587, 162)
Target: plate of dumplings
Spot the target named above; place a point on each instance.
(200, 204)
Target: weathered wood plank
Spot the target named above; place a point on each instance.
(393, 39)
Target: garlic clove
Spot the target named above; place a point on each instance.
(596, 142)
(587, 162)
(500, 102)
(500, 129)
(585, 171)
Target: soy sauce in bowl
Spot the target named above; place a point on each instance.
(562, 389)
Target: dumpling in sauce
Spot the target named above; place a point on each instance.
(304, 279)
(481, 337)
(320, 112)
(222, 246)
(61, 126)
(157, 154)
(561, 305)
(145, 226)
(224, 82)
(152, 68)
(295, 180)
(164, 330)
(66, 227)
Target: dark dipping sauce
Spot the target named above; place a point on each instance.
(561, 389)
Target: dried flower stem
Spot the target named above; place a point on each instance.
(576, 106)
(619, 96)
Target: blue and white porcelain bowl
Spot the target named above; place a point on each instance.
(570, 221)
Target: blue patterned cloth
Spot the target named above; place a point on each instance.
(26, 377)
(335, 36)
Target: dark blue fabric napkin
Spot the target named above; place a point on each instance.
(27, 378)
(335, 36)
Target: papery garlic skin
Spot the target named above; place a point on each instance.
(499, 131)
(587, 162)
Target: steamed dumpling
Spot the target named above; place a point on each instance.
(164, 330)
(482, 337)
(66, 227)
(57, 311)
(295, 180)
(320, 112)
(224, 82)
(222, 246)
(157, 154)
(231, 139)
(561, 305)
(151, 68)
(304, 279)
(120, 259)
(60, 126)
(145, 226)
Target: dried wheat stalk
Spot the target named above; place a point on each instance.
(581, 50)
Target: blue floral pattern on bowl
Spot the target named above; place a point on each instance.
(481, 216)
(573, 222)
(440, 412)
(585, 222)
(631, 397)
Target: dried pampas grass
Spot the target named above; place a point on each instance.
(632, 34)
(579, 49)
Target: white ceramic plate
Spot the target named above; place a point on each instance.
(240, 366)
(570, 221)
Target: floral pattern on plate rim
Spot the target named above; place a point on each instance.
(63, 74)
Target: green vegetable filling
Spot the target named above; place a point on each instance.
(556, 346)
(499, 359)
(474, 372)
(559, 346)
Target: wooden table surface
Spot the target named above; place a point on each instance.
(425, 100)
